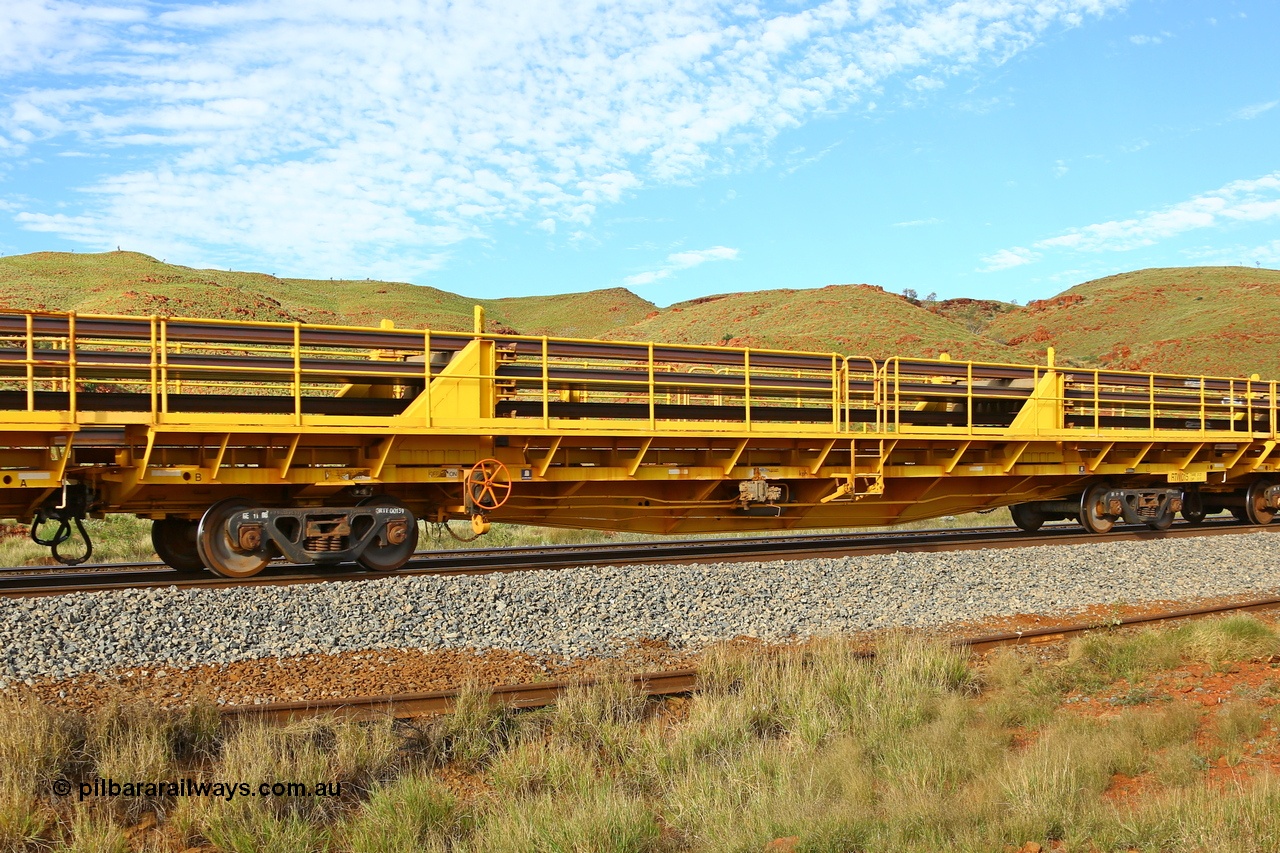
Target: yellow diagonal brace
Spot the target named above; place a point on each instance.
(1182, 463)
(288, 457)
(387, 445)
(634, 465)
(1240, 451)
(540, 466)
(1267, 447)
(1097, 460)
(955, 460)
(822, 456)
(217, 460)
(1142, 454)
(1011, 459)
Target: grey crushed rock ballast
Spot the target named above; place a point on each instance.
(592, 611)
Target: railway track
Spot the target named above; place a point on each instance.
(671, 682)
(24, 582)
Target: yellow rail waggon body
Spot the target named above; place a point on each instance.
(246, 440)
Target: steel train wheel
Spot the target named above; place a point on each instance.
(1164, 522)
(387, 558)
(1092, 518)
(175, 542)
(215, 545)
(1027, 518)
(1255, 504)
(488, 485)
(1193, 508)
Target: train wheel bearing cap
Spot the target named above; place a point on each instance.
(214, 544)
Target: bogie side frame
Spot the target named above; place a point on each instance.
(167, 417)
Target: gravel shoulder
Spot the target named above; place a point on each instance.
(556, 623)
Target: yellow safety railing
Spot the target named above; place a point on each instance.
(1109, 399)
(640, 383)
(951, 396)
(969, 396)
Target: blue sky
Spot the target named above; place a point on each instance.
(987, 148)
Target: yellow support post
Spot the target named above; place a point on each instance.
(31, 366)
(71, 363)
(164, 366)
(546, 387)
(297, 374)
(653, 421)
(154, 371)
(426, 373)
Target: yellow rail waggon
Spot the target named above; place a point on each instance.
(246, 441)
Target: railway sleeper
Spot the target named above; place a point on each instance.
(236, 540)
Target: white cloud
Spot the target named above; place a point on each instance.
(798, 161)
(682, 261)
(1255, 110)
(52, 35)
(921, 83)
(1147, 39)
(915, 223)
(1238, 201)
(1244, 201)
(1267, 254)
(1007, 259)
(312, 134)
(1060, 168)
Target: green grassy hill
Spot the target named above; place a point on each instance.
(1217, 320)
(1213, 320)
(854, 319)
(132, 283)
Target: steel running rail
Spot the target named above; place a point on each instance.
(672, 682)
(675, 552)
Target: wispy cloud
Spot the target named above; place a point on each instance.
(1142, 39)
(916, 223)
(799, 158)
(1255, 110)
(682, 261)
(1244, 201)
(1267, 254)
(1007, 259)
(314, 134)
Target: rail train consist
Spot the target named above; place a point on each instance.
(245, 441)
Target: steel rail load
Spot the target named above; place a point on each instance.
(245, 441)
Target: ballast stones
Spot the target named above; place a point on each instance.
(596, 611)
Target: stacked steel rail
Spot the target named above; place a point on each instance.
(247, 440)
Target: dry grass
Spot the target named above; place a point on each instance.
(35, 748)
(914, 749)
(117, 538)
(1100, 658)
